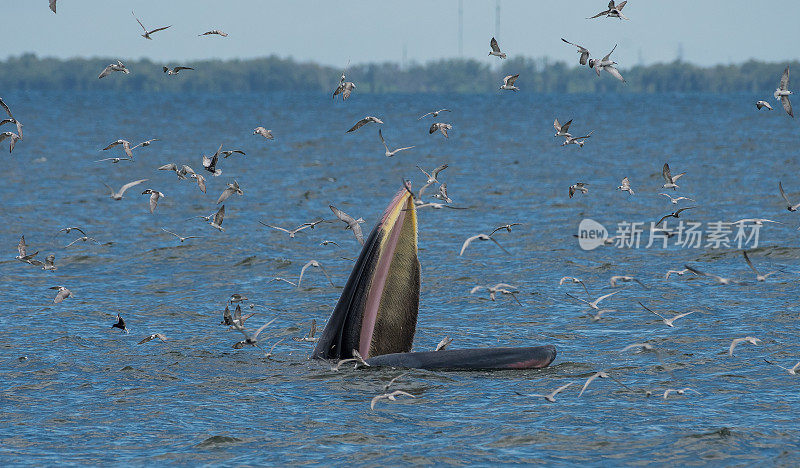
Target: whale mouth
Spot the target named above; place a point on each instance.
(377, 311)
(376, 315)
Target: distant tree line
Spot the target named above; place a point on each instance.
(29, 72)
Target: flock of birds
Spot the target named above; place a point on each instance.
(236, 320)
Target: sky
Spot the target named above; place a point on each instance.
(705, 32)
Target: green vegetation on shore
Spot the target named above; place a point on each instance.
(273, 73)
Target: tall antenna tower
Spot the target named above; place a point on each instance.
(497, 20)
(460, 28)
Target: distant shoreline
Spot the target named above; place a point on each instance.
(29, 72)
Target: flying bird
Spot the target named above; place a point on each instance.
(357, 358)
(230, 190)
(442, 193)
(580, 141)
(791, 370)
(782, 93)
(227, 153)
(762, 104)
(118, 194)
(63, 293)
(181, 238)
(114, 160)
(277, 278)
(676, 272)
(315, 264)
(388, 396)
(639, 346)
(434, 113)
(228, 319)
(790, 206)
(14, 138)
(613, 11)
(14, 121)
(120, 323)
(154, 197)
(67, 230)
(675, 214)
(504, 227)
(759, 276)
(294, 231)
(550, 397)
(249, 339)
(126, 146)
(82, 239)
(147, 33)
(114, 67)
(581, 50)
(716, 278)
(440, 126)
(363, 122)
(754, 221)
(345, 88)
(201, 181)
(352, 223)
(310, 337)
(22, 248)
(49, 263)
(572, 279)
(433, 175)
(173, 167)
(608, 65)
(626, 186)
(668, 322)
(443, 344)
(481, 237)
(154, 336)
(675, 200)
(175, 70)
(219, 216)
(508, 83)
(594, 304)
(210, 164)
(388, 153)
(562, 130)
(263, 132)
(496, 49)
(53, 5)
(596, 375)
(290, 232)
(145, 143)
(11, 119)
(439, 206)
(501, 288)
(747, 339)
(236, 298)
(578, 187)
(214, 32)
(625, 279)
(669, 179)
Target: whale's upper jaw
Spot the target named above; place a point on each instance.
(377, 311)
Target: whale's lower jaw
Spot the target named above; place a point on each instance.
(535, 357)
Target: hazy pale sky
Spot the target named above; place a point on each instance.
(332, 33)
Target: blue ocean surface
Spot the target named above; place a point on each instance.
(74, 390)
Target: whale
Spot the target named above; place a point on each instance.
(376, 315)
